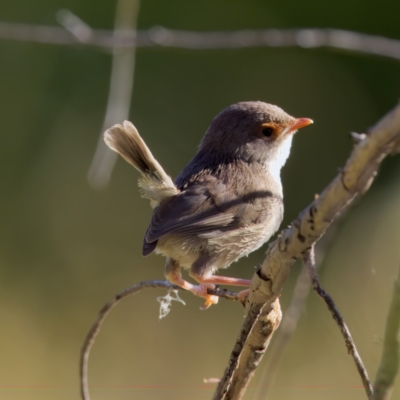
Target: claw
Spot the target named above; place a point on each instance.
(201, 290)
(210, 300)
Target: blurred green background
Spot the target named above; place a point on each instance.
(66, 248)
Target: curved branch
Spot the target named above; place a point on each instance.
(294, 242)
(95, 328)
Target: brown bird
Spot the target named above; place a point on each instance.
(225, 204)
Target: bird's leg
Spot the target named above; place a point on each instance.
(224, 280)
(221, 280)
(173, 274)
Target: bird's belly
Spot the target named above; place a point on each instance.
(224, 249)
(183, 249)
(239, 243)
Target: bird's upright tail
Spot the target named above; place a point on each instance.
(155, 184)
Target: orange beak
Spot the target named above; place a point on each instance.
(299, 123)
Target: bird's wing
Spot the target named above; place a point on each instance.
(206, 209)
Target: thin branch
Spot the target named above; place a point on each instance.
(121, 86)
(309, 38)
(309, 261)
(95, 328)
(290, 319)
(73, 24)
(296, 241)
(389, 365)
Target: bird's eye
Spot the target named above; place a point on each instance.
(268, 131)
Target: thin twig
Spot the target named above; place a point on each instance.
(73, 24)
(121, 86)
(95, 328)
(389, 364)
(290, 319)
(294, 242)
(309, 38)
(223, 294)
(309, 262)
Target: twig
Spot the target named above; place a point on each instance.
(73, 24)
(95, 328)
(223, 294)
(121, 86)
(294, 242)
(309, 38)
(290, 319)
(309, 261)
(389, 365)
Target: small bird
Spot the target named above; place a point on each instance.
(227, 201)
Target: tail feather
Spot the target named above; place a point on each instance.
(155, 183)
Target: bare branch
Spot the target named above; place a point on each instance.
(95, 328)
(73, 24)
(291, 318)
(254, 350)
(223, 294)
(310, 38)
(247, 327)
(309, 261)
(296, 241)
(121, 86)
(389, 365)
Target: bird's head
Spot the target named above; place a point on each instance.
(253, 131)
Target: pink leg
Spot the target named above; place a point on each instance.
(173, 274)
(222, 280)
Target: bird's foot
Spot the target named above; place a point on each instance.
(201, 290)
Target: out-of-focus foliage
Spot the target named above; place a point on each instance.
(65, 249)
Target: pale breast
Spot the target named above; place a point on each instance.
(241, 242)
